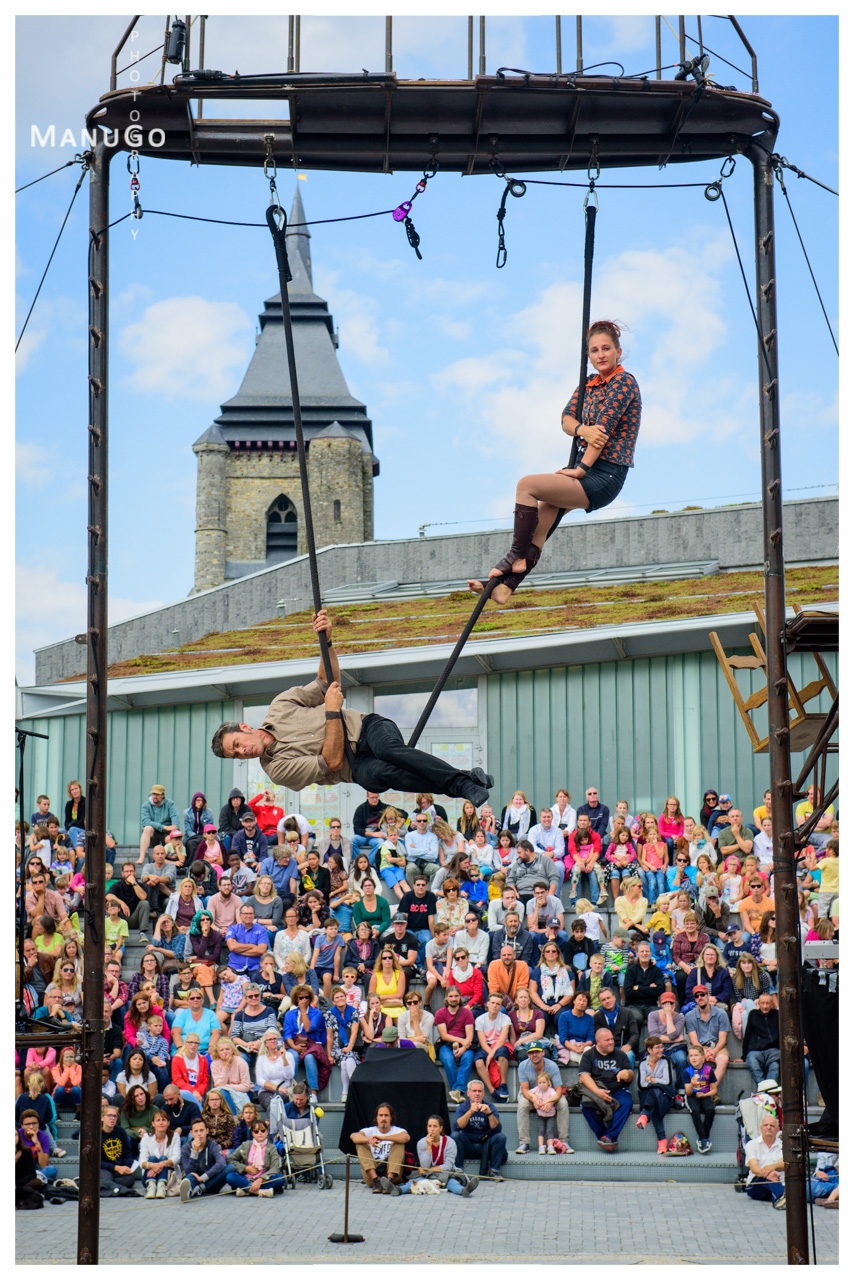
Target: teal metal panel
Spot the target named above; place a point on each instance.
(639, 729)
(159, 744)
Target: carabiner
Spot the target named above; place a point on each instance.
(592, 192)
(269, 158)
(133, 162)
(728, 172)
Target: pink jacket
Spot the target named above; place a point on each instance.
(571, 855)
(41, 1058)
(672, 829)
(68, 1077)
(627, 848)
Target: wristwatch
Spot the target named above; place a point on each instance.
(333, 715)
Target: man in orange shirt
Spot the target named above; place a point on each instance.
(506, 975)
(752, 908)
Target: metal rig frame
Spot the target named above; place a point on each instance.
(523, 122)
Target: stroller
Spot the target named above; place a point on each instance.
(301, 1147)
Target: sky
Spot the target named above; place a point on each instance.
(464, 368)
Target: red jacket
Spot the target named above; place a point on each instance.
(268, 816)
(471, 990)
(182, 1080)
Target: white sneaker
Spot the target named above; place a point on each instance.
(186, 1188)
(241, 1191)
(266, 1192)
(343, 1097)
(541, 1151)
(312, 1098)
(150, 1191)
(161, 1191)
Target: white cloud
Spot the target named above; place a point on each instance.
(30, 344)
(38, 625)
(31, 463)
(187, 347)
(519, 389)
(459, 329)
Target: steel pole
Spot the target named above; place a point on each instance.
(96, 714)
(785, 884)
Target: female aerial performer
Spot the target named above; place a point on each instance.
(609, 426)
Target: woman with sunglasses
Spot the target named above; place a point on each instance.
(304, 1033)
(709, 805)
(274, 1070)
(681, 876)
(468, 980)
(388, 981)
(451, 907)
(416, 1024)
(335, 842)
(552, 987)
(255, 1168)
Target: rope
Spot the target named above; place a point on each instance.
(83, 173)
(76, 160)
(613, 186)
(762, 347)
(589, 239)
(280, 244)
(444, 674)
(779, 176)
(226, 222)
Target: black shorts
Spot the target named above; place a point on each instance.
(603, 482)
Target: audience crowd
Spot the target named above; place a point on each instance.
(248, 956)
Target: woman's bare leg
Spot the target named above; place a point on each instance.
(552, 493)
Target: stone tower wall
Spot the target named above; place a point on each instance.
(210, 515)
(367, 498)
(335, 474)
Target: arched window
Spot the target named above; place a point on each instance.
(281, 530)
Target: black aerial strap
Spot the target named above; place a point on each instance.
(589, 236)
(278, 223)
(590, 208)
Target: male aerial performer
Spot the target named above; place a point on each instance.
(302, 742)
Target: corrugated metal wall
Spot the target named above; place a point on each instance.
(638, 729)
(170, 745)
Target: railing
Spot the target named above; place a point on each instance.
(682, 36)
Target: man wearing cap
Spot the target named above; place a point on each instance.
(708, 1026)
(159, 816)
(157, 877)
(603, 1078)
(403, 943)
(250, 841)
(513, 935)
(736, 945)
(477, 1132)
(714, 916)
(391, 1040)
(534, 1065)
(761, 1044)
(669, 1026)
(307, 738)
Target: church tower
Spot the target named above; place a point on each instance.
(249, 512)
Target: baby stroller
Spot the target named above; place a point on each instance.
(301, 1147)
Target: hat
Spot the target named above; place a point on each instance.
(732, 929)
(659, 937)
(535, 1046)
(668, 996)
(399, 918)
(390, 1034)
(209, 826)
(248, 817)
(622, 933)
(553, 922)
(174, 832)
(157, 788)
(724, 799)
(699, 987)
(769, 1086)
